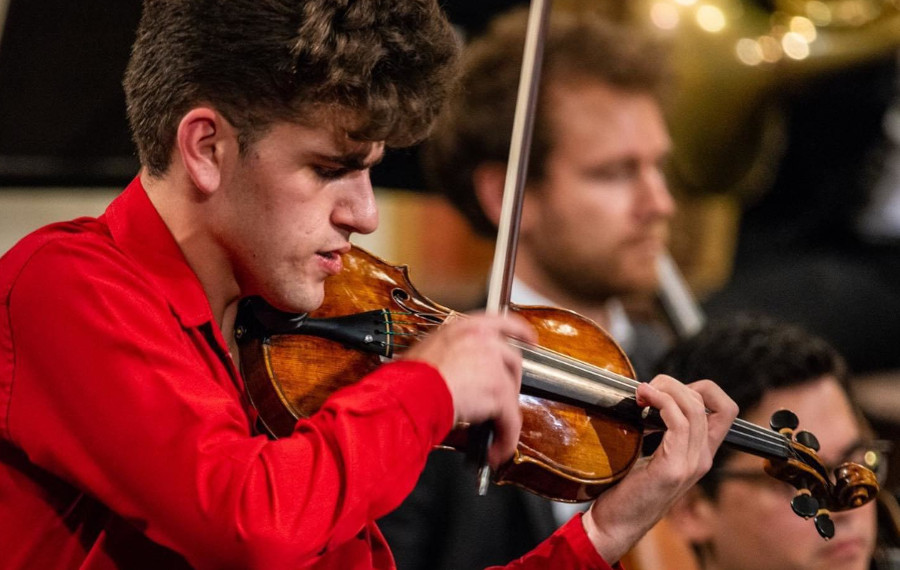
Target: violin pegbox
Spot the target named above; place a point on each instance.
(817, 496)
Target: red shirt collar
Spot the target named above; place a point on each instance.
(141, 233)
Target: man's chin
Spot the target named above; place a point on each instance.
(305, 301)
(641, 283)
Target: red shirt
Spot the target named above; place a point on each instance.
(126, 439)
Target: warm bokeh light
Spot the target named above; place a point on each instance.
(749, 52)
(795, 46)
(770, 48)
(664, 15)
(871, 458)
(710, 18)
(855, 12)
(818, 12)
(804, 27)
(686, 2)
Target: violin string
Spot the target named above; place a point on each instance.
(774, 441)
(762, 436)
(749, 431)
(418, 323)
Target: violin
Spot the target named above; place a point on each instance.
(582, 428)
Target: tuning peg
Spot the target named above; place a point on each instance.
(807, 439)
(805, 504)
(824, 525)
(784, 420)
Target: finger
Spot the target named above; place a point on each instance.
(692, 405)
(685, 437)
(512, 363)
(690, 402)
(507, 426)
(509, 325)
(516, 326)
(508, 422)
(722, 410)
(648, 394)
(687, 402)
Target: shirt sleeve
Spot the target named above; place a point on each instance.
(569, 547)
(113, 395)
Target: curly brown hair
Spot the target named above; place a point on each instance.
(387, 65)
(476, 125)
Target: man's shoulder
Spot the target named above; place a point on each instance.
(58, 251)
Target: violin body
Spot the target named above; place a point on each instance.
(566, 451)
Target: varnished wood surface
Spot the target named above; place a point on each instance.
(565, 451)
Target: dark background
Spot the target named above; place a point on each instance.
(62, 110)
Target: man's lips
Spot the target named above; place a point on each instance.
(330, 261)
(647, 245)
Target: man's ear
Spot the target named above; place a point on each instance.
(693, 515)
(489, 179)
(203, 139)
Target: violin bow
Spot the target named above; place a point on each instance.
(504, 262)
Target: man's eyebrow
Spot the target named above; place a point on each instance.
(354, 160)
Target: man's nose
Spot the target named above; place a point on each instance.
(357, 211)
(655, 199)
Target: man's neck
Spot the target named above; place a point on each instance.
(183, 210)
(526, 292)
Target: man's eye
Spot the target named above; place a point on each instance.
(613, 172)
(328, 173)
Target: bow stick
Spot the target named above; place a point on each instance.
(504, 262)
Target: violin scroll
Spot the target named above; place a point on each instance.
(817, 497)
(854, 486)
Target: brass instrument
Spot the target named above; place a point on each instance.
(733, 59)
(736, 61)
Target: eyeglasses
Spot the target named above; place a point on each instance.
(872, 454)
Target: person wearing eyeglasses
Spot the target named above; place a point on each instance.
(737, 517)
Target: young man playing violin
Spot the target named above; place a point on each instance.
(595, 220)
(739, 518)
(126, 439)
